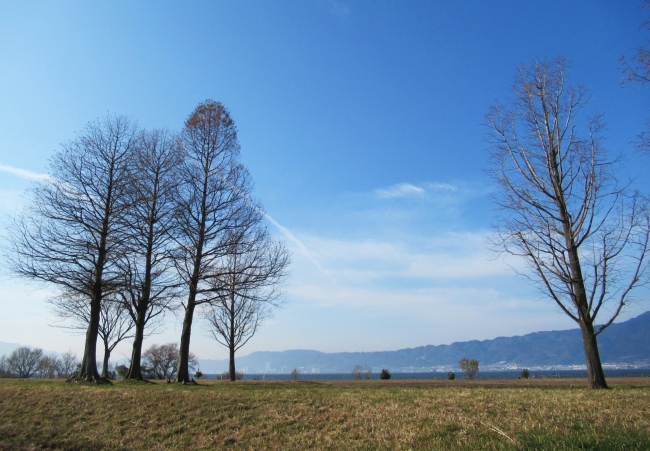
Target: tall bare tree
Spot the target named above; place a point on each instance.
(149, 285)
(70, 235)
(246, 285)
(583, 236)
(115, 325)
(210, 196)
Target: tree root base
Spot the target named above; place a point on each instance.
(135, 381)
(89, 381)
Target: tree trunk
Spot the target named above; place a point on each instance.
(135, 369)
(231, 340)
(107, 356)
(594, 367)
(89, 363)
(88, 369)
(232, 364)
(183, 373)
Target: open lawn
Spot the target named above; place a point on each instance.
(403, 415)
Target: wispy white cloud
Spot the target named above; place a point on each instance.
(23, 173)
(409, 285)
(457, 257)
(432, 189)
(400, 190)
(441, 186)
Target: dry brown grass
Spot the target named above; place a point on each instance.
(401, 415)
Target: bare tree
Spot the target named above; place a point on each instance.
(583, 237)
(69, 363)
(246, 284)
(637, 70)
(210, 195)
(50, 367)
(161, 361)
(70, 235)
(24, 361)
(149, 285)
(115, 325)
(469, 367)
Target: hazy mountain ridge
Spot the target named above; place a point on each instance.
(622, 343)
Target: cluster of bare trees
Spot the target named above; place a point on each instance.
(132, 223)
(161, 361)
(28, 362)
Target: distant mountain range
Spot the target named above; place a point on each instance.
(625, 344)
(622, 344)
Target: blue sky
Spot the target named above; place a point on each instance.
(361, 124)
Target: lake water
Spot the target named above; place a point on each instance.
(485, 375)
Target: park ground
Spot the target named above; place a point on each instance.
(545, 414)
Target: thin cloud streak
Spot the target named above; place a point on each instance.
(23, 173)
(440, 186)
(401, 190)
(297, 242)
(283, 229)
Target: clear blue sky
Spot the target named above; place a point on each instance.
(361, 123)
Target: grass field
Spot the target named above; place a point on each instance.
(401, 415)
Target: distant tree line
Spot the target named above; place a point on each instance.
(26, 362)
(132, 224)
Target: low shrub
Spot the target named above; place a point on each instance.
(225, 376)
(121, 370)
